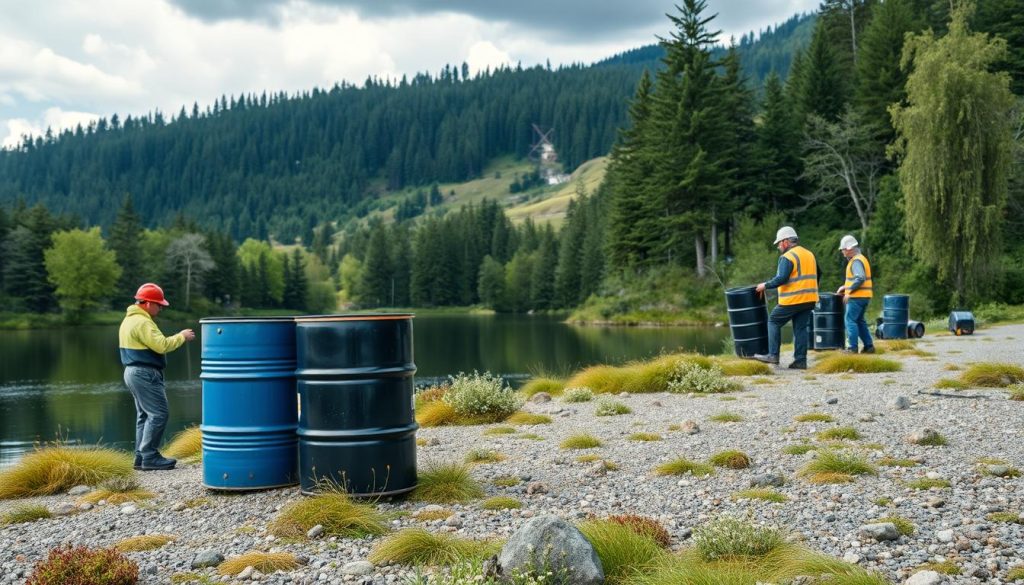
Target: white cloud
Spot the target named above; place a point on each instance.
(54, 118)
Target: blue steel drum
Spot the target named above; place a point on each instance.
(357, 426)
(895, 315)
(249, 409)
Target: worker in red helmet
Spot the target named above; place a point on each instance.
(143, 347)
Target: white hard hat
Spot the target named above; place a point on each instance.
(784, 233)
(848, 242)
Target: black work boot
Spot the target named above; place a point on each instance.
(137, 465)
(158, 463)
(868, 349)
(798, 365)
(768, 359)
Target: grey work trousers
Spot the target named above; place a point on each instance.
(150, 394)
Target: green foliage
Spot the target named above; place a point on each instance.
(334, 510)
(731, 459)
(622, 549)
(992, 375)
(829, 461)
(955, 144)
(577, 394)
(501, 503)
(903, 526)
(692, 377)
(644, 526)
(683, 466)
(581, 441)
(446, 483)
(814, 417)
(25, 513)
(724, 417)
(419, 547)
(483, 395)
(54, 469)
(839, 433)
(606, 407)
(80, 565)
(858, 363)
(728, 538)
(768, 495)
(264, 562)
(83, 271)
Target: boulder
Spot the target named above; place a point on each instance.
(357, 568)
(770, 479)
(899, 403)
(689, 427)
(540, 397)
(552, 542)
(207, 558)
(925, 578)
(923, 436)
(880, 531)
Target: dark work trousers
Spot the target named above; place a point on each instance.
(799, 315)
(148, 390)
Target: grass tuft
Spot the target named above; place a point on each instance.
(903, 526)
(738, 367)
(814, 417)
(430, 515)
(144, 542)
(500, 431)
(263, 562)
(724, 417)
(528, 418)
(54, 469)
(552, 386)
(992, 375)
(894, 462)
(25, 513)
(829, 477)
(607, 407)
(731, 538)
(332, 509)
(644, 526)
(119, 490)
(1016, 391)
(187, 444)
(436, 413)
(506, 481)
(501, 503)
(622, 549)
(683, 466)
(767, 495)
(1005, 517)
(944, 568)
(925, 483)
(798, 449)
(951, 384)
(833, 462)
(645, 437)
(839, 434)
(419, 547)
(446, 483)
(577, 395)
(581, 441)
(484, 456)
(1015, 574)
(857, 363)
(730, 459)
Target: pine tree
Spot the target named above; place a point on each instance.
(491, 283)
(377, 283)
(542, 278)
(778, 152)
(823, 85)
(881, 80)
(296, 284)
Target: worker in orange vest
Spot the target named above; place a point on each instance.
(797, 281)
(857, 292)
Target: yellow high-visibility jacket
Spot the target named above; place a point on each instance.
(142, 343)
(802, 285)
(864, 290)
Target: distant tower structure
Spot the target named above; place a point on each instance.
(547, 158)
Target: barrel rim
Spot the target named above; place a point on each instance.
(740, 289)
(354, 317)
(282, 319)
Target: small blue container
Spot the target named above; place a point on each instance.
(250, 411)
(895, 315)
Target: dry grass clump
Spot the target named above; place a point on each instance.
(944, 568)
(144, 542)
(484, 456)
(765, 494)
(416, 546)
(1005, 517)
(683, 466)
(607, 407)
(264, 562)
(925, 483)
(1016, 391)
(857, 363)
(814, 417)
(501, 503)
(894, 462)
(581, 441)
(645, 437)
(644, 526)
(951, 384)
(839, 434)
(118, 490)
(635, 377)
(902, 347)
(622, 549)
(725, 416)
(436, 413)
(187, 444)
(506, 481)
(528, 418)
(588, 458)
(1015, 573)
(446, 483)
(738, 367)
(334, 510)
(500, 431)
(552, 386)
(730, 459)
(798, 449)
(992, 375)
(835, 467)
(530, 436)
(600, 379)
(53, 469)
(903, 526)
(431, 515)
(25, 513)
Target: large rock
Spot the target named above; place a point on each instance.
(925, 578)
(923, 436)
(551, 541)
(899, 403)
(880, 531)
(207, 558)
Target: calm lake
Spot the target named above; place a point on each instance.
(68, 381)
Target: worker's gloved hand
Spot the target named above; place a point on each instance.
(188, 334)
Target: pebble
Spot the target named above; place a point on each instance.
(315, 531)
(79, 490)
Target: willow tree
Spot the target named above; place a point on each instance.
(954, 138)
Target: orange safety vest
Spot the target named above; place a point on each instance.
(802, 286)
(864, 292)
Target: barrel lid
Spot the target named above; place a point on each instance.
(281, 319)
(354, 317)
(739, 289)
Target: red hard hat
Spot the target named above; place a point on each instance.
(152, 293)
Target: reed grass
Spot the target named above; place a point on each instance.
(814, 417)
(53, 469)
(992, 375)
(420, 547)
(528, 418)
(264, 562)
(683, 466)
(581, 441)
(446, 483)
(856, 363)
(25, 513)
(187, 444)
(144, 542)
(767, 495)
(335, 511)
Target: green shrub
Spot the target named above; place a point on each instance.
(692, 377)
(607, 407)
(577, 394)
(482, 395)
(731, 459)
(79, 565)
(729, 538)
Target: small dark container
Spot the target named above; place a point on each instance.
(961, 323)
(895, 315)
(748, 320)
(829, 328)
(915, 329)
(357, 428)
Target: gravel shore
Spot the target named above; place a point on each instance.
(950, 523)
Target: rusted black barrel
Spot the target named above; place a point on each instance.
(357, 428)
(748, 320)
(828, 322)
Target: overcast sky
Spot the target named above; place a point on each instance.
(68, 61)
